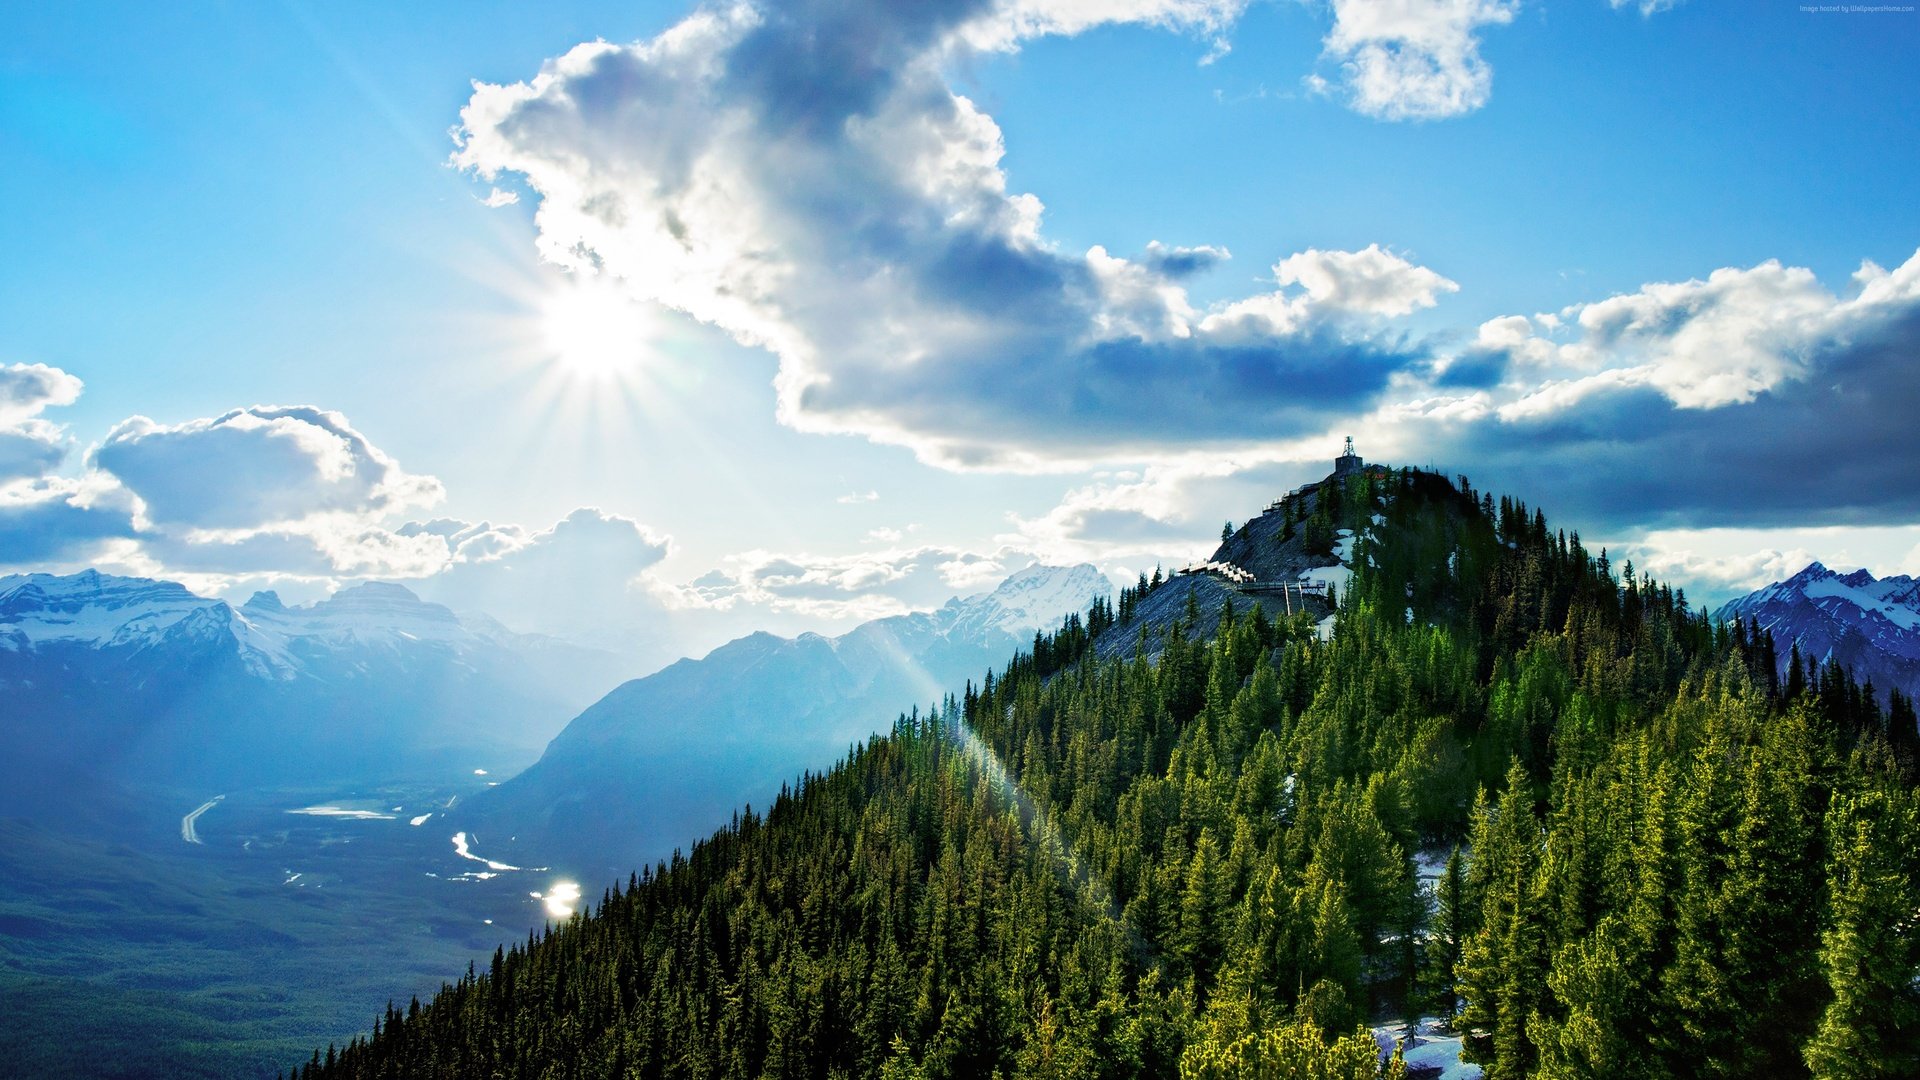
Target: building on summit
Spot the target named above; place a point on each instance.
(1348, 462)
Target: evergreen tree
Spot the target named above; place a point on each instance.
(1870, 952)
(1134, 854)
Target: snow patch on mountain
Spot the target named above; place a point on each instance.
(1869, 596)
(1336, 576)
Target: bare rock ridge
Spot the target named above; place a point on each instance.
(1276, 557)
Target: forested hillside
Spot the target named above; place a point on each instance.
(1664, 862)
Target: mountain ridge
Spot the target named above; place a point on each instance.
(680, 749)
(1562, 809)
(1868, 624)
(140, 680)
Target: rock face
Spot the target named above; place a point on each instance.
(671, 755)
(1265, 549)
(1871, 625)
(131, 679)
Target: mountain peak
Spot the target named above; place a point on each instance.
(1867, 623)
(1040, 575)
(382, 592)
(94, 608)
(264, 601)
(1039, 596)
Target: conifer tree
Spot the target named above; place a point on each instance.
(1870, 952)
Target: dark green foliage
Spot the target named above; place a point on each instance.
(1203, 863)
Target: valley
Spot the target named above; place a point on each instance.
(277, 902)
(676, 540)
(276, 917)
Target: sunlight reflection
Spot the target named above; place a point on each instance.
(561, 900)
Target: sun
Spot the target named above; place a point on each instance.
(594, 333)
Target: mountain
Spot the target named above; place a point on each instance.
(1855, 620)
(669, 756)
(1568, 813)
(132, 679)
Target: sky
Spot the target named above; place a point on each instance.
(655, 324)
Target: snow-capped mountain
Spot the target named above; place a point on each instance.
(1036, 598)
(110, 676)
(41, 612)
(671, 755)
(1869, 624)
(92, 609)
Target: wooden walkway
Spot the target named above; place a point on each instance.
(1243, 579)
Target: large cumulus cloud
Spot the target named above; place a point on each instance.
(31, 447)
(1754, 396)
(256, 467)
(57, 521)
(46, 518)
(26, 389)
(845, 588)
(276, 491)
(801, 175)
(581, 579)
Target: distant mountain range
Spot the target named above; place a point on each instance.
(131, 679)
(670, 756)
(1869, 624)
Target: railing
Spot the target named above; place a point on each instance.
(1228, 571)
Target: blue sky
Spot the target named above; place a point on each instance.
(221, 206)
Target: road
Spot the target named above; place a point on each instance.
(187, 830)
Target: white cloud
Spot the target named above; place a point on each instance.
(1717, 564)
(497, 198)
(853, 497)
(1647, 7)
(288, 491)
(1559, 395)
(1713, 579)
(1753, 397)
(32, 448)
(257, 467)
(1414, 59)
(581, 579)
(1175, 261)
(1514, 335)
(1170, 513)
(1703, 344)
(27, 389)
(1369, 282)
(1004, 26)
(802, 177)
(325, 548)
(58, 522)
(1322, 290)
(844, 589)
